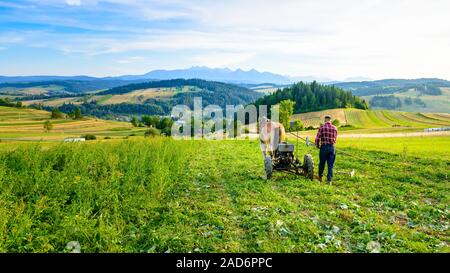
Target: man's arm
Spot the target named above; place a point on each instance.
(319, 133)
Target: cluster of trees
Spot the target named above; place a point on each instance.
(56, 114)
(416, 101)
(162, 124)
(113, 110)
(76, 114)
(429, 89)
(387, 102)
(392, 102)
(313, 97)
(8, 103)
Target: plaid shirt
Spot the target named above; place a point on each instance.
(327, 134)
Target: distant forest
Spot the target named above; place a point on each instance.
(392, 102)
(385, 87)
(113, 110)
(313, 97)
(212, 93)
(70, 86)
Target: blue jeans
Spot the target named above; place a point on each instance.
(327, 154)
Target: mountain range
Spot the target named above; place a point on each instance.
(226, 75)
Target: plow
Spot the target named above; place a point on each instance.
(281, 156)
(283, 160)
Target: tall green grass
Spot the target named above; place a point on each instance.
(97, 194)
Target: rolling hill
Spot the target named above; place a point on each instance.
(154, 98)
(418, 95)
(27, 124)
(60, 86)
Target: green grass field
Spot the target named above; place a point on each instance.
(163, 195)
(421, 147)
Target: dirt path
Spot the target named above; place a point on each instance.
(383, 135)
(378, 135)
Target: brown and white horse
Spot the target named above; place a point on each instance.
(271, 134)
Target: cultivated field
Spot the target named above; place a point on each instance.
(377, 121)
(138, 97)
(54, 102)
(38, 90)
(27, 124)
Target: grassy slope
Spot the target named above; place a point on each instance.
(28, 124)
(37, 90)
(208, 196)
(433, 103)
(137, 96)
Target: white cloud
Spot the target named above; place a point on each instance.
(337, 39)
(131, 60)
(73, 2)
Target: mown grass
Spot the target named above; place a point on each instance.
(162, 195)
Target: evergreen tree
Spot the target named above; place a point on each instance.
(77, 113)
(313, 97)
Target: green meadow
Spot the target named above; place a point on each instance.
(164, 195)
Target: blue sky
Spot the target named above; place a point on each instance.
(325, 38)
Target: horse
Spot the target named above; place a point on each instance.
(271, 134)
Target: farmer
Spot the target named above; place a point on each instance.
(326, 141)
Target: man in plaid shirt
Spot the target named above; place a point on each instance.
(325, 141)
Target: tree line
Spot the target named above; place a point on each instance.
(310, 97)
